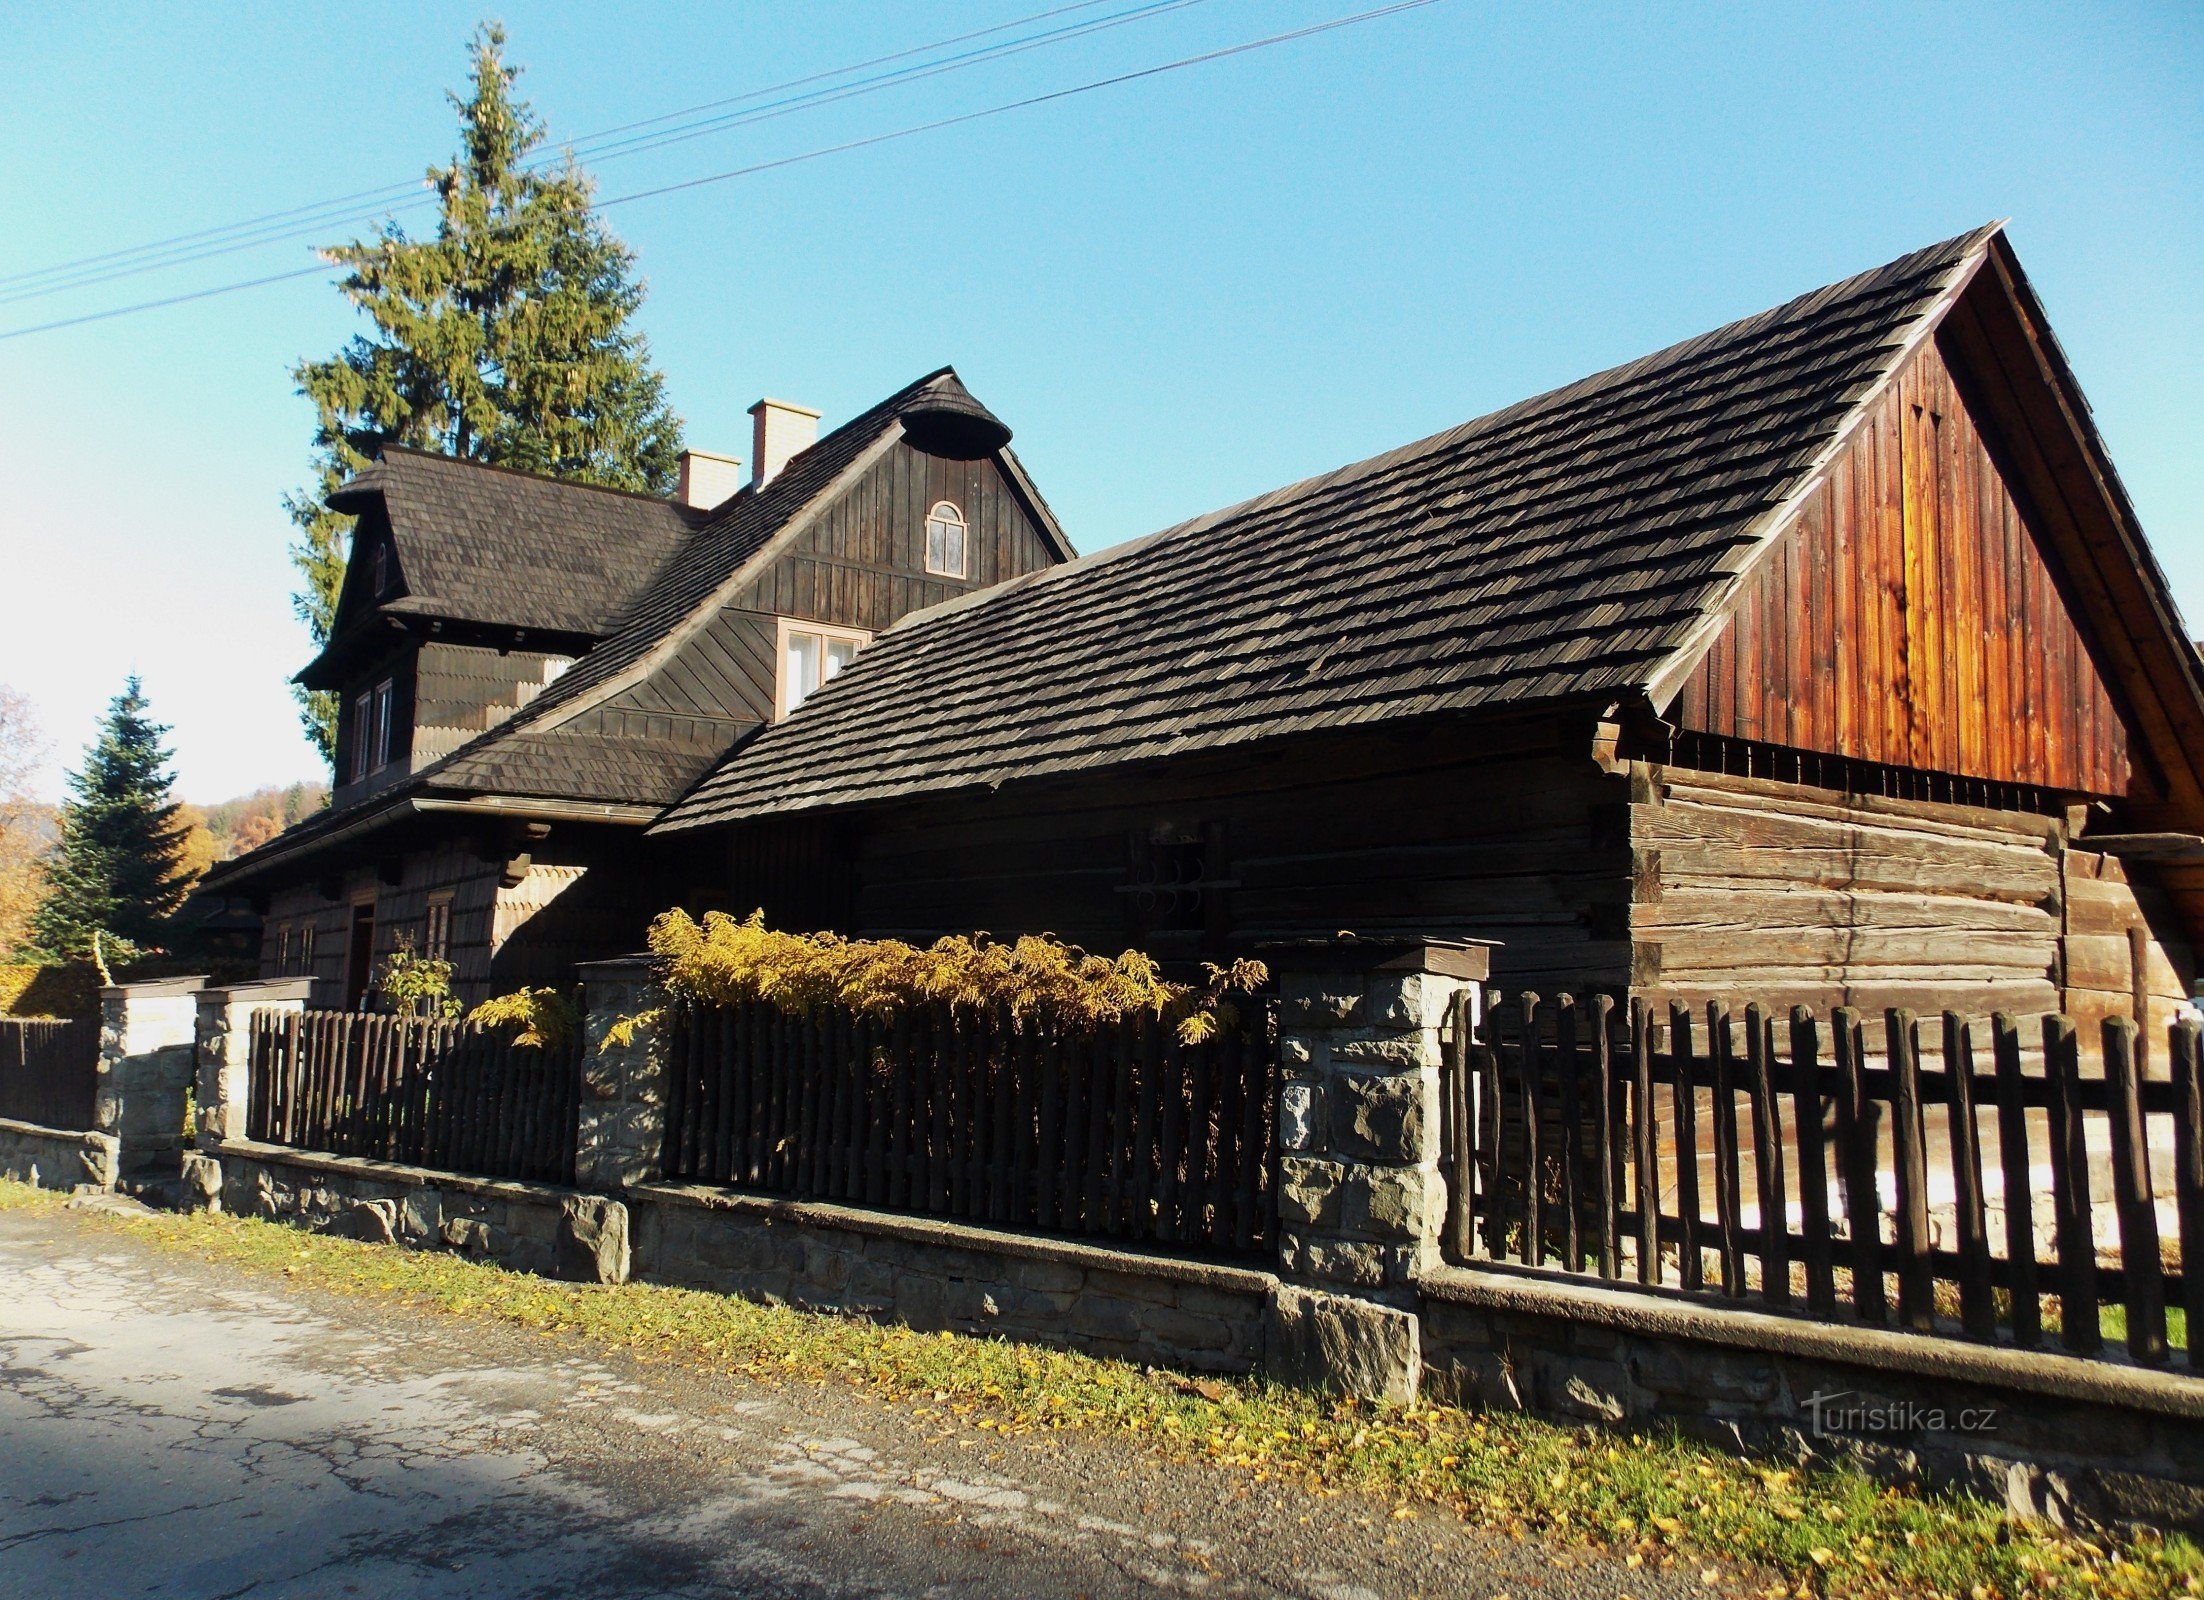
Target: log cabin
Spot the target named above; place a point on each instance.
(1819, 659)
(530, 671)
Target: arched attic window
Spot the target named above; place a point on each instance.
(946, 541)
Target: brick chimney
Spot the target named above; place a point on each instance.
(707, 480)
(779, 430)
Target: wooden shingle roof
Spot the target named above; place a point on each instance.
(536, 752)
(507, 549)
(1566, 547)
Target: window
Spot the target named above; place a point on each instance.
(436, 940)
(363, 717)
(945, 541)
(305, 948)
(283, 949)
(384, 695)
(810, 656)
(371, 729)
(378, 568)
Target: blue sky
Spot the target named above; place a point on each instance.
(1179, 292)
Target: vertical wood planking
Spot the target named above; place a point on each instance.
(1529, 1077)
(1690, 1263)
(1909, 1143)
(1730, 1244)
(1807, 1109)
(2186, 1057)
(1569, 1069)
(1977, 1301)
(1606, 1085)
(2019, 1183)
(1646, 1180)
(1857, 1117)
(2143, 1269)
(1767, 1158)
(2079, 1329)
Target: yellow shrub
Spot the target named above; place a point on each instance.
(30, 990)
(547, 1019)
(722, 961)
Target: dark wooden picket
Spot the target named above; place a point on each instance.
(1576, 1136)
(49, 1070)
(429, 1093)
(1119, 1131)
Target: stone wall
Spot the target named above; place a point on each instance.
(940, 1275)
(54, 1158)
(528, 1227)
(2045, 1435)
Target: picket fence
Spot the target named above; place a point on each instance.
(426, 1092)
(1586, 1139)
(1121, 1131)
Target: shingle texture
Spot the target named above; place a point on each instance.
(552, 748)
(509, 549)
(1566, 546)
(532, 753)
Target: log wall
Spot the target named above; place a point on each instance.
(1752, 889)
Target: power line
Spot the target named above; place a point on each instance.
(1204, 58)
(314, 217)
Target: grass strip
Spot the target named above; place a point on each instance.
(1651, 1496)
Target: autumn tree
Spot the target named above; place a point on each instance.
(506, 337)
(117, 868)
(25, 825)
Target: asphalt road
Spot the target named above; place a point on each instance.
(170, 1428)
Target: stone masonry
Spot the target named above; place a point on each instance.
(148, 1058)
(1362, 1024)
(1361, 1027)
(622, 1124)
(225, 1049)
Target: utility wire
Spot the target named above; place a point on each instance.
(317, 216)
(1371, 15)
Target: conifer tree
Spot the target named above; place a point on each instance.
(505, 338)
(117, 868)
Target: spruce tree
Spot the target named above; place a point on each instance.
(116, 870)
(503, 338)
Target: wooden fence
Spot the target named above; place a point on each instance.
(49, 1070)
(428, 1093)
(1121, 1132)
(1591, 1140)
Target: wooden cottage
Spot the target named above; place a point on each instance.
(531, 671)
(1817, 659)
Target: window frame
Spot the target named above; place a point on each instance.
(385, 696)
(825, 632)
(363, 732)
(963, 569)
(436, 926)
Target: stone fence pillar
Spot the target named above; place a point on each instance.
(621, 1131)
(223, 1086)
(1361, 1027)
(146, 1060)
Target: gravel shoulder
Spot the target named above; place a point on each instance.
(172, 1427)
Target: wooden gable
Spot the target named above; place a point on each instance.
(1915, 614)
(859, 563)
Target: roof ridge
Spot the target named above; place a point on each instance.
(1961, 245)
(383, 450)
(1566, 545)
